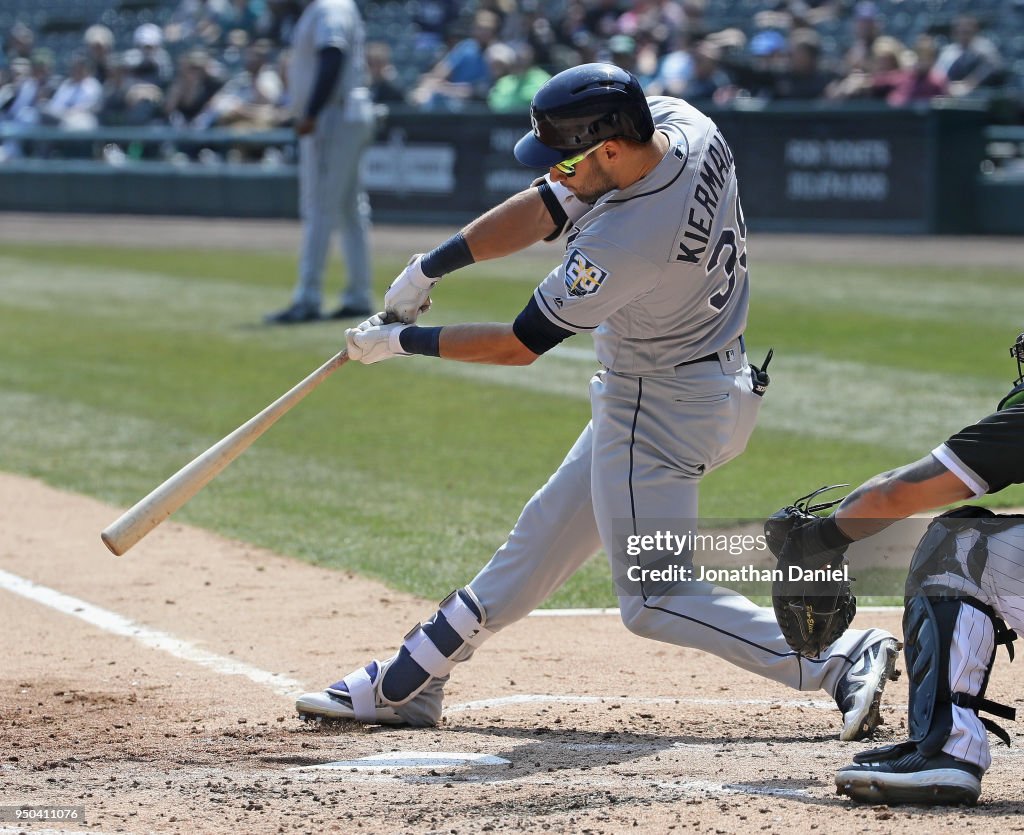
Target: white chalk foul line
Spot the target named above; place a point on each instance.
(683, 787)
(547, 698)
(689, 786)
(152, 638)
(695, 786)
(581, 613)
(571, 613)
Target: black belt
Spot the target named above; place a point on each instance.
(714, 356)
(708, 358)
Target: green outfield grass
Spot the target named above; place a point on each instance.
(117, 366)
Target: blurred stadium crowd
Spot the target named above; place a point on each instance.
(224, 63)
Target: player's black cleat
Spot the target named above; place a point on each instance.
(859, 692)
(938, 780)
(294, 314)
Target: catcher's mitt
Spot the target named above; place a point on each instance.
(812, 613)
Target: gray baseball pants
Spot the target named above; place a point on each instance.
(640, 460)
(332, 198)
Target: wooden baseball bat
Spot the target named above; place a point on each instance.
(149, 512)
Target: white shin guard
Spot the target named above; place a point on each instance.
(432, 649)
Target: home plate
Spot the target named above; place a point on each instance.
(408, 759)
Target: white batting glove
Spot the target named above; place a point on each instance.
(409, 294)
(373, 340)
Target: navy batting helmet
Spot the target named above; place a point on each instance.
(580, 107)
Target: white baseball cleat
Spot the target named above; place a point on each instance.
(859, 692)
(355, 697)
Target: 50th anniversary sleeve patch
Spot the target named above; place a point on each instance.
(582, 276)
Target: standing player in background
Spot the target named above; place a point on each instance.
(656, 268)
(966, 578)
(334, 123)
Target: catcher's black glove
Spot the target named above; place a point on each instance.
(811, 614)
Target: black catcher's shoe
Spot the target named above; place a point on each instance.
(901, 774)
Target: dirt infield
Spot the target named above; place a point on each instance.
(168, 708)
(156, 690)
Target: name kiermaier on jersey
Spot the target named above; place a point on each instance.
(718, 162)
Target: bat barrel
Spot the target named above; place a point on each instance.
(150, 511)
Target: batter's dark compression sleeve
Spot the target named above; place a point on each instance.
(536, 331)
(989, 453)
(417, 340)
(452, 255)
(328, 68)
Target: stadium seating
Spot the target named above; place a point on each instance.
(59, 24)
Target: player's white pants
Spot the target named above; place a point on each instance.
(332, 198)
(1001, 586)
(641, 458)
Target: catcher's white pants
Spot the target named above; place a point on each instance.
(640, 461)
(331, 198)
(1001, 586)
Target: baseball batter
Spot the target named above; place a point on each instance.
(966, 583)
(656, 268)
(334, 122)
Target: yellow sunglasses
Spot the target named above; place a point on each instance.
(568, 166)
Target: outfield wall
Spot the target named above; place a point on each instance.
(807, 167)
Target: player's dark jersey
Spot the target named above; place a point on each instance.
(989, 455)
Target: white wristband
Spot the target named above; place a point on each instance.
(573, 206)
(395, 342)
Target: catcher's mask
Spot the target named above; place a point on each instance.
(1016, 395)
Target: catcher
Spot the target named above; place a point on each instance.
(966, 582)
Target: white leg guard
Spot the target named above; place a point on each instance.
(408, 687)
(432, 649)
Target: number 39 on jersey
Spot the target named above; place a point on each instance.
(729, 253)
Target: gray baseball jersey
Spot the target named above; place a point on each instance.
(326, 23)
(658, 270)
(331, 196)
